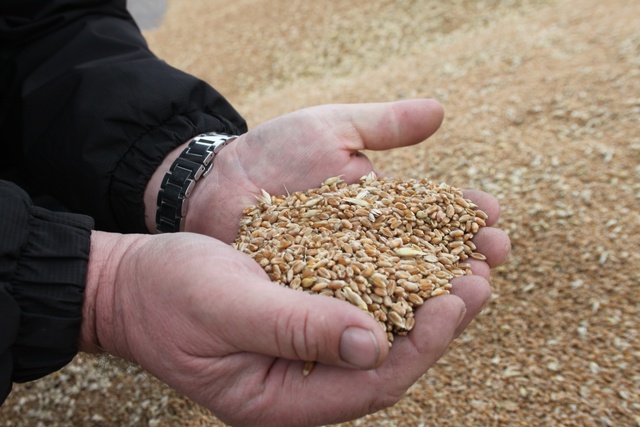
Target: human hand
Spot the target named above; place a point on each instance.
(298, 151)
(205, 319)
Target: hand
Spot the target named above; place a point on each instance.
(295, 152)
(206, 320)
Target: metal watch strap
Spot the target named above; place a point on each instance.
(192, 164)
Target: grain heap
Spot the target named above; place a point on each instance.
(383, 244)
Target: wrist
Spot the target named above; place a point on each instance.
(194, 162)
(99, 331)
(217, 202)
(153, 187)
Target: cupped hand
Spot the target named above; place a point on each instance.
(298, 151)
(205, 319)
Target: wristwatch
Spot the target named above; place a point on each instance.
(193, 163)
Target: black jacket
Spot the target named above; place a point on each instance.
(87, 113)
(43, 267)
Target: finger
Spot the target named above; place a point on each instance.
(411, 356)
(353, 393)
(359, 166)
(383, 126)
(479, 268)
(294, 325)
(475, 291)
(494, 244)
(491, 242)
(486, 203)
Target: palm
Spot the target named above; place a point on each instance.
(282, 157)
(236, 343)
(216, 329)
(300, 150)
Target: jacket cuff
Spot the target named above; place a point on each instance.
(130, 178)
(48, 289)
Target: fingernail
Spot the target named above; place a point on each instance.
(463, 312)
(359, 347)
(485, 304)
(459, 326)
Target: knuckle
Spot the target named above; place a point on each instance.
(297, 336)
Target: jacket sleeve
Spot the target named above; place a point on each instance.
(43, 268)
(89, 112)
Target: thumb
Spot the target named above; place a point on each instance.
(383, 126)
(295, 325)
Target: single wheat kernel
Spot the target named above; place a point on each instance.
(308, 367)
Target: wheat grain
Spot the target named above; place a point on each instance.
(384, 245)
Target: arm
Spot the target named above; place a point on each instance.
(95, 111)
(43, 265)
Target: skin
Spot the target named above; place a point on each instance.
(216, 329)
(295, 152)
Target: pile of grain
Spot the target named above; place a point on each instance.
(383, 244)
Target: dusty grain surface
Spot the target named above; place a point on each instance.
(543, 110)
